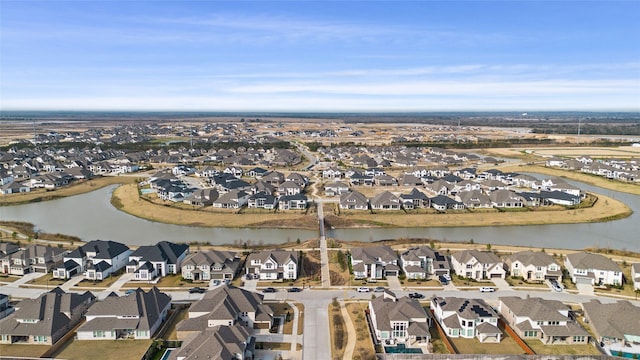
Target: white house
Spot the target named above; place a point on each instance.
(162, 259)
(478, 265)
(399, 320)
(593, 269)
(96, 260)
(533, 266)
(635, 275)
(273, 265)
(374, 262)
(467, 318)
(423, 262)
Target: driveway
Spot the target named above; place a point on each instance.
(394, 283)
(72, 282)
(585, 289)
(501, 284)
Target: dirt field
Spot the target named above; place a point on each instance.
(104, 349)
(598, 152)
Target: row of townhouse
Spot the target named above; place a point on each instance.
(377, 262)
(617, 169)
(46, 319)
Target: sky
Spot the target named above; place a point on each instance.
(320, 56)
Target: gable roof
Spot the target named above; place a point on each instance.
(536, 309)
(372, 253)
(587, 260)
(483, 257)
(613, 320)
(104, 249)
(403, 309)
(535, 258)
(162, 251)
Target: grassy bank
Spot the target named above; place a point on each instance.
(127, 199)
(578, 176)
(76, 188)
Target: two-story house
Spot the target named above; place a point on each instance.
(423, 262)
(615, 326)
(95, 260)
(136, 316)
(45, 319)
(533, 266)
(210, 264)
(478, 265)
(399, 320)
(467, 318)
(374, 262)
(593, 269)
(150, 261)
(635, 275)
(33, 258)
(546, 320)
(273, 265)
(353, 200)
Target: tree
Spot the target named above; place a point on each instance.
(488, 247)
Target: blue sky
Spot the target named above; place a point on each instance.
(320, 55)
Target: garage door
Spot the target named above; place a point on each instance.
(496, 275)
(583, 280)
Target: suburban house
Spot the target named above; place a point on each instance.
(467, 318)
(503, 198)
(374, 262)
(336, 188)
(33, 258)
(423, 262)
(478, 265)
(292, 202)
(225, 306)
(210, 264)
(593, 269)
(415, 199)
(262, 200)
(273, 264)
(385, 201)
(399, 320)
(151, 261)
(96, 260)
(533, 266)
(332, 173)
(202, 197)
(217, 342)
(354, 200)
(135, 316)
(474, 199)
(7, 248)
(289, 188)
(615, 325)
(44, 320)
(546, 320)
(442, 203)
(635, 275)
(5, 308)
(234, 199)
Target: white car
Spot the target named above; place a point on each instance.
(363, 289)
(487, 289)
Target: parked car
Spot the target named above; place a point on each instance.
(416, 296)
(446, 276)
(216, 282)
(378, 289)
(129, 292)
(555, 285)
(197, 290)
(294, 289)
(487, 289)
(443, 280)
(363, 289)
(269, 290)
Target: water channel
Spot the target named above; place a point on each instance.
(91, 216)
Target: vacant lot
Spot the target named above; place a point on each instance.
(104, 349)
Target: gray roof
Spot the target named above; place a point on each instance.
(354, 197)
(219, 342)
(385, 198)
(227, 259)
(387, 310)
(162, 251)
(34, 251)
(483, 257)
(279, 256)
(470, 309)
(536, 258)
(104, 249)
(147, 306)
(369, 255)
(613, 320)
(587, 260)
(536, 309)
(226, 302)
(52, 311)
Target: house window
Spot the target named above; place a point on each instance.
(579, 339)
(291, 266)
(469, 266)
(268, 265)
(530, 333)
(399, 330)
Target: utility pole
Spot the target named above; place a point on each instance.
(579, 121)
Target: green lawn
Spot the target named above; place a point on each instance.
(104, 349)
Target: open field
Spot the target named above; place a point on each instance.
(76, 188)
(20, 350)
(597, 152)
(104, 349)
